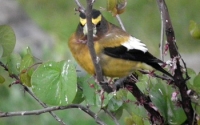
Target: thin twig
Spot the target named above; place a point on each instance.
(54, 108)
(81, 8)
(120, 22)
(111, 115)
(157, 76)
(31, 94)
(162, 39)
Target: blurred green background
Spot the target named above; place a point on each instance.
(58, 19)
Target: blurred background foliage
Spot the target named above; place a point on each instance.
(58, 18)
(141, 19)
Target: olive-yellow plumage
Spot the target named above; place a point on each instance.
(119, 53)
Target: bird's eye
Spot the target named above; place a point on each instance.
(98, 24)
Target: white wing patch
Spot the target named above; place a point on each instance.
(134, 43)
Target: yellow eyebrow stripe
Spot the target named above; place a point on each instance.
(96, 20)
(82, 21)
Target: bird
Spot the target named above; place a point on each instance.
(119, 53)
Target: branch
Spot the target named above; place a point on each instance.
(90, 44)
(162, 38)
(120, 22)
(54, 108)
(180, 82)
(80, 7)
(144, 100)
(31, 94)
(155, 75)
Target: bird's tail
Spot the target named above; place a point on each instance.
(159, 68)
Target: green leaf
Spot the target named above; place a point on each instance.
(196, 84)
(116, 6)
(55, 83)
(194, 30)
(192, 74)
(111, 5)
(79, 97)
(88, 86)
(13, 63)
(117, 101)
(27, 60)
(114, 104)
(129, 121)
(25, 70)
(2, 79)
(7, 39)
(133, 108)
(118, 113)
(1, 51)
(137, 120)
(160, 95)
(102, 99)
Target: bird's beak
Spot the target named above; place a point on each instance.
(85, 30)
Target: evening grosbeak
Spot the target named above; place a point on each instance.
(120, 53)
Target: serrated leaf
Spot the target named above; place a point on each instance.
(55, 83)
(194, 30)
(2, 79)
(13, 63)
(7, 39)
(160, 95)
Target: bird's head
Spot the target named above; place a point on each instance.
(98, 21)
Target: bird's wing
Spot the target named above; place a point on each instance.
(131, 54)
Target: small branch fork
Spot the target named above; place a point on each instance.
(130, 85)
(180, 82)
(50, 109)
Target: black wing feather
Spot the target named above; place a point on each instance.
(135, 55)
